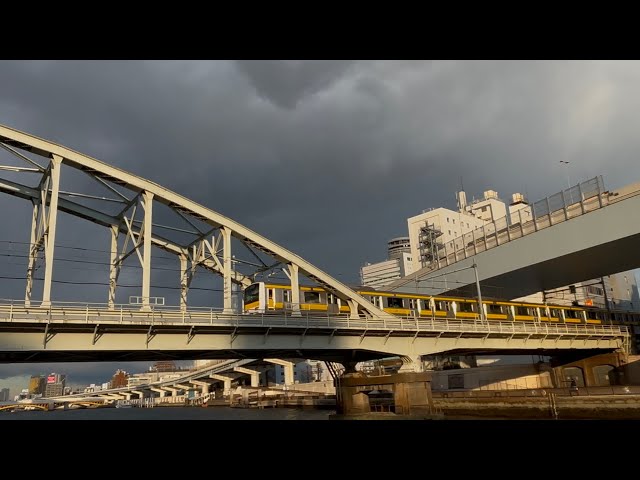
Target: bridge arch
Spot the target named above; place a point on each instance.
(209, 233)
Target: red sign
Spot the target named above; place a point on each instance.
(51, 379)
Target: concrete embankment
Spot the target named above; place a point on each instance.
(547, 406)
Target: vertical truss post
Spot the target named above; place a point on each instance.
(147, 205)
(184, 282)
(33, 253)
(295, 288)
(114, 266)
(226, 268)
(50, 232)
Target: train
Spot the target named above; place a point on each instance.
(264, 297)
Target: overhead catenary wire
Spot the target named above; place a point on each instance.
(107, 252)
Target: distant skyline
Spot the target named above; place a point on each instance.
(327, 158)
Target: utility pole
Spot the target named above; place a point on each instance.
(606, 298)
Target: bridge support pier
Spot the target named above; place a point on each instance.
(204, 386)
(288, 369)
(401, 393)
(162, 392)
(598, 370)
(139, 393)
(255, 375)
(227, 382)
(174, 391)
(411, 363)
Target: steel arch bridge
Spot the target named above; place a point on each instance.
(126, 209)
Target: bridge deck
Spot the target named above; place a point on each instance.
(19, 318)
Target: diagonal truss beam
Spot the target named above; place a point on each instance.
(16, 139)
(105, 220)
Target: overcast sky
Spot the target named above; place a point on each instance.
(326, 158)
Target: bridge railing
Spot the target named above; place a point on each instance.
(17, 311)
(575, 201)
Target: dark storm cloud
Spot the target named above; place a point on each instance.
(287, 82)
(329, 158)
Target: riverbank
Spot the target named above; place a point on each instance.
(601, 407)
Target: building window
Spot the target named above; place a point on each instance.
(447, 219)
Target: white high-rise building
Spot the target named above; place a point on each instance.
(398, 264)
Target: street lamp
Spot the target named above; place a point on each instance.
(481, 308)
(566, 164)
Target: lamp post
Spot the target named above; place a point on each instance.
(566, 164)
(480, 307)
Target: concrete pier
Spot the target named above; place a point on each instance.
(385, 396)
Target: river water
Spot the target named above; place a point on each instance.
(172, 413)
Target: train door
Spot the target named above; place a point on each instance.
(484, 311)
(413, 307)
(332, 303)
(561, 315)
(536, 314)
(271, 295)
(432, 306)
(443, 308)
(454, 309)
(343, 306)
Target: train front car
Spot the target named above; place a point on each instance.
(253, 298)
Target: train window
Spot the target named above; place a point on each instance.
(570, 314)
(287, 296)
(412, 304)
(554, 312)
(393, 302)
(593, 315)
(495, 309)
(465, 307)
(443, 306)
(311, 297)
(522, 311)
(251, 293)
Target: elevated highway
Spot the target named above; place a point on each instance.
(596, 234)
